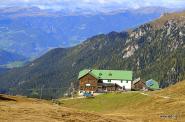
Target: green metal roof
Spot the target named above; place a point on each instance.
(107, 74)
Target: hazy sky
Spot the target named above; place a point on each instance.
(93, 4)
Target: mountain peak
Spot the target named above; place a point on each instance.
(169, 18)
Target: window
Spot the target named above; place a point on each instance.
(121, 81)
(126, 81)
(109, 80)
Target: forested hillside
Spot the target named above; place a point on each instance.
(155, 50)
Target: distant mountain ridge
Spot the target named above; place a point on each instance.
(13, 12)
(31, 31)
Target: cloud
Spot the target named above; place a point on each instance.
(95, 5)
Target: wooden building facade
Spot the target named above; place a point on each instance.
(138, 85)
(88, 83)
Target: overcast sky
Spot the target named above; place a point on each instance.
(93, 4)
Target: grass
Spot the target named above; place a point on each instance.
(174, 91)
(179, 17)
(113, 107)
(22, 109)
(136, 106)
(107, 102)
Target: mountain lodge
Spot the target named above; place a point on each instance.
(104, 80)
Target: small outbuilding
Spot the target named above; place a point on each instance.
(138, 85)
(152, 85)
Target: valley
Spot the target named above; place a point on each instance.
(9, 60)
(31, 31)
(2, 70)
(153, 50)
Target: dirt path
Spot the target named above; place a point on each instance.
(165, 97)
(74, 98)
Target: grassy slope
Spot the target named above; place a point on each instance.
(174, 91)
(120, 107)
(173, 16)
(107, 103)
(21, 109)
(135, 106)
